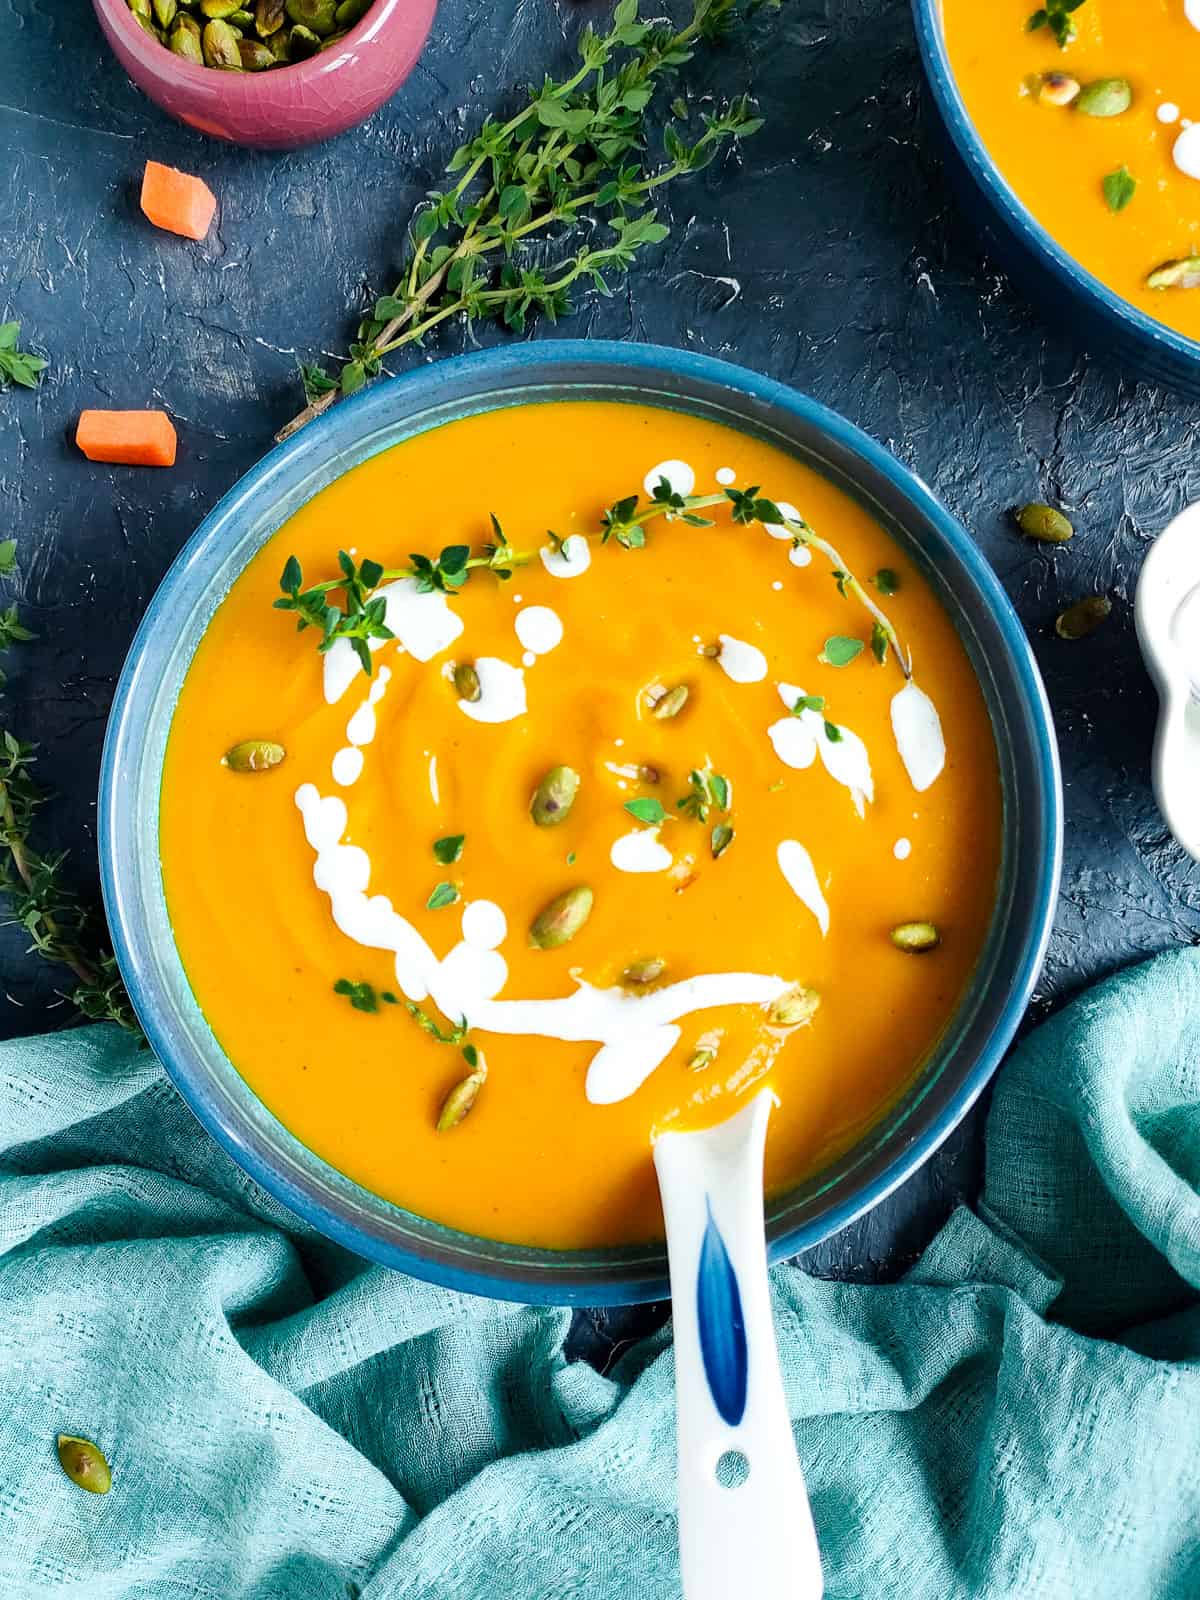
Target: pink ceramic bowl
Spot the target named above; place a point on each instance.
(283, 106)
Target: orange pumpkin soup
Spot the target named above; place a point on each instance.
(1096, 137)
(643, 816)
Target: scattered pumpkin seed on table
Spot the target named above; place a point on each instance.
(84, 1463)
(1043, 522)
(1084, 617)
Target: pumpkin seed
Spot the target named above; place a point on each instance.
(648, 970)
(1181, 274)
(255, 55)
(554, 797)
(1107, 97)
(461, 1099)
(241, 19)
(672, 703)
(84, 1463)
(1043, 522)
(269, 17)
(916, 938)
(165, 12)
(350, 12)
(796, 1006)
(221, 10)
(318, 15)
(220, 44)
(1083, 618)
(185, 40)
(560, 920)
(466, 679)
(1058, 89)
(253, 755)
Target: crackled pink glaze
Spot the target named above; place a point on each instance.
(285, 106)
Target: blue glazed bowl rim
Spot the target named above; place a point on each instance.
(354, 417)
(1124, 317)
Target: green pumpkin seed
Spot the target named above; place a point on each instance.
(554, 797)
(269, 17)
(722, 838)
(185, 40)
(320, 16)
(459, 1102)
(84, 1463)
(701, 1058)
(559, 921)
(220, 44)
(796, 1006)
(1181, 274)
(165, 12)
(466, 679)
(219, 10)
(916, 938)
(141, 9)
(1038, 521)
(350, 12)
(146, 24)
(255, 55)
(253, 755)
(280, 46)
(1107, 97)
(672, 703)
(303, 43)
(648, 970)
(1083, 618)
(334, 38)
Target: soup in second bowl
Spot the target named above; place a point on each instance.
(671, 781)
(1099, 135)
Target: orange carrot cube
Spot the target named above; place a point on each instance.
(127, 438)
(176, 201)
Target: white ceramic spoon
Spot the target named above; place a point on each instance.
(1167, 613)
(745, 1526)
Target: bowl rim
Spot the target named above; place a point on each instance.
(1124, 318)
(750, 389)
(377, 20)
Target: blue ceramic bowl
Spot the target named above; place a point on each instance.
(380, 417)
(1075, 301)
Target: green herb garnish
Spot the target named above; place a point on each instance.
(364, 996)
(17, 366)
(448, 850)
(707, 791)
(1056, 15)
(879, 643)
(887, 581)
(647, 809)
(444, 895)
(722, 838)
(833, 733)
(60, 928)
(1119, 188)
(808, 702)
(571, 160)
(840, 650)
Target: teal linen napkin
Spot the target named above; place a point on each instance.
(1019, 1417)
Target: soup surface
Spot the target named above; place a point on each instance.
(394, 846)
(1057, 157)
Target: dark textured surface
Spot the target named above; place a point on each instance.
(834, 259)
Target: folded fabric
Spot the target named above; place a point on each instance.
(1019, 1417)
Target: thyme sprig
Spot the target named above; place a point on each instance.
(361, 616)
(59, 926)
(1056, 15)
(571, 159)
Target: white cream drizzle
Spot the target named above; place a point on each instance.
(1185, 634)
(501, 692)
(742, 662)
(902, 849)
(678, 474)
(1191, 10)
(640, 851)
(919, 737)
(845, 760)
(1186, 150)
(572, 561)
(800, 555)
(347, 764)
(424, 624)
(435, 793)
(726, 476)
(539, 630)
(1168, 112)
(797, 867)
(635, 1032)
